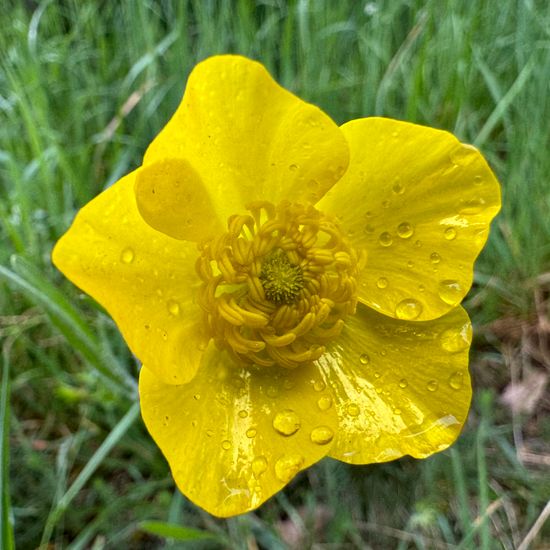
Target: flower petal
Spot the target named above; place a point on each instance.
(419, 203)
(171, 198)
(250, 139)
(400, 387)
(144, 279)
(232, 436)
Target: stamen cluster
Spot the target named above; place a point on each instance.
(278, 284)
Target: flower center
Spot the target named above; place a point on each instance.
(278, 284)
(281, 280)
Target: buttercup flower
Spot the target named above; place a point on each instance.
(292, 287)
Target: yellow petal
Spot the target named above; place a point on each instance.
(400, 388)
(171, 198)
(234, 437)
(420, 204)
(250, 139)
(144, 279)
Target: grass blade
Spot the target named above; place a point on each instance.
(6, 527)
(111, 440)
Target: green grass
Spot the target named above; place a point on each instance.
(84, 87)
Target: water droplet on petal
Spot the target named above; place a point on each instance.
(386, 204)
(405, 230)
(226, 445)
(319, 385)
(410, 264)
(288, 466)
(259, 466)
(408, 309)
(473, 206)
(450, 233)
(209, 433)
(432, 385)
(321, 435)
(403, 383)
(196, 397)
(382, 283)
(293, 167)
(173, 307)
(353, 409)
(435, 258)
(377, 375)
(455, 341)
(250, 433)
(385, 239)
(456, 380)
(287, 422)
(462, 154)
(243, 414)
(478, 180)
(324, 403)
(127, 256)
(450, 292)
(418, 243)
(364, 359)
(369, 228)
(398, 188)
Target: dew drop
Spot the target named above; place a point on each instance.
(173, 307)
(450, 292)
(288, 466)
(473, 206)
(197, 396)
(462, 154)
(405, 230)
(455, 341)
(421, 288)
(209, 433)
(321, 435)
(251, 433)
(432, 385)
(408, 309)
(397, 411)
(319, 385)
(324, 403)
(364, 359)
(397, 187)
(353, 409)
(403, 383)
(386, 204)
(369, 228)
(226, 445)
(243, 414)
(450, 233)
(435, 258)
(127, 256)
(456, 380)
(259, 466)
(478, 180)
(382, 283)
(410, 264)
(418, 243)
(293, 167)
(377, 375)
(286, 422)
(385, 239)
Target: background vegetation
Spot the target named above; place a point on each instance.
(84, 86)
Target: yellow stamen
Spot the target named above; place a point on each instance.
(278, 285)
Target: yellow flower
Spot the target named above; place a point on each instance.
(292, 287)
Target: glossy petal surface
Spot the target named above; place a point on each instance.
(171, 198)
(145, 279)
(400, 388)
(250, 139)
(419, 203)
(234, 437)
